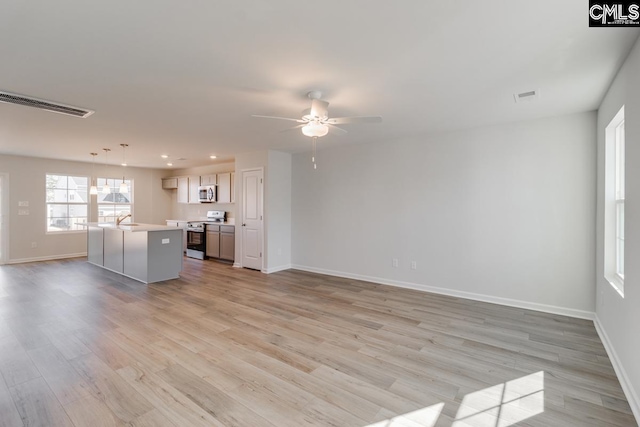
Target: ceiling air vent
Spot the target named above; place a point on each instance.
(12, 98)
(529, 96)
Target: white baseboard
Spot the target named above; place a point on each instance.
(276, 269)
(45, 258)
(236, 265)
(627, 387)
(564, 311)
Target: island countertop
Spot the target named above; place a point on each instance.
(146, 252)
(136, 227)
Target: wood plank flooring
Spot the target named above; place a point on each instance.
(80, 346)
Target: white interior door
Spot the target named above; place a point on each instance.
(252, 219)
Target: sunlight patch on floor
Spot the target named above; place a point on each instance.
(420, 418)
(502, 405)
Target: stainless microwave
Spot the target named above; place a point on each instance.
(207, 193)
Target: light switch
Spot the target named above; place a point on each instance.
(23, 211)
(165, 241)
(23, 203)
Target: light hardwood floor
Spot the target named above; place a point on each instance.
(80, 346)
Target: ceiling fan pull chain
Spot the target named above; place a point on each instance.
(313, 155)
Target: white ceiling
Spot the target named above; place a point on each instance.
(183, 78)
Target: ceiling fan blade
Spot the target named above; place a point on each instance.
(351, 120)
(336, 129)
(279, 118)
(293, 128)
(319, 109)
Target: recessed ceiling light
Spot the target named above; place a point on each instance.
(164, 156)
(169, 164)
(213, 157)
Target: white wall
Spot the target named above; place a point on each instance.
(278, 208)
(187, 211)
(504, 212)
(27, 183)
(619, 318)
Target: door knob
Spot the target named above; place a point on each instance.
(244, 225)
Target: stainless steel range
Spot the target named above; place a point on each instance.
(196, 243)
(216, 216)
(196, 236)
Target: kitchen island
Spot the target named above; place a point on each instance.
(145, 252)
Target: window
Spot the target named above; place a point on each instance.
(67, 202)
(114, 204)
(614, 202)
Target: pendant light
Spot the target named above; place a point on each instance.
(94, 188)
(106, 189)
(124, 188)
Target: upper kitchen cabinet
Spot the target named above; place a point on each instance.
(208, 179)
(233, 187)
(183, 190)
(194, 194)
(224, 187)
(188, 189)
(169, 183)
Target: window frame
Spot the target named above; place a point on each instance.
(68, 203)
(614, 202)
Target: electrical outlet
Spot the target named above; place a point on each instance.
(394, 262)
(34, 244)
(414, 265)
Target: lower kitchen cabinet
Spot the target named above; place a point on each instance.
(213, 241)
(227, 242)
(221, 241)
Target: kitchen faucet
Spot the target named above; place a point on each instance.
(122, 218)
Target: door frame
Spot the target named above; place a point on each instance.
(4, 205)
(242, 171)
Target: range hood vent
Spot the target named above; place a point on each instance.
(12, 98)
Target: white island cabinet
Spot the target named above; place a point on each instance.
(145, 252)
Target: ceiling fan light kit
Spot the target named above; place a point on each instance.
(315, 121)
(315, 129)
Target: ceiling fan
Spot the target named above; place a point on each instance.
(315, 121)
